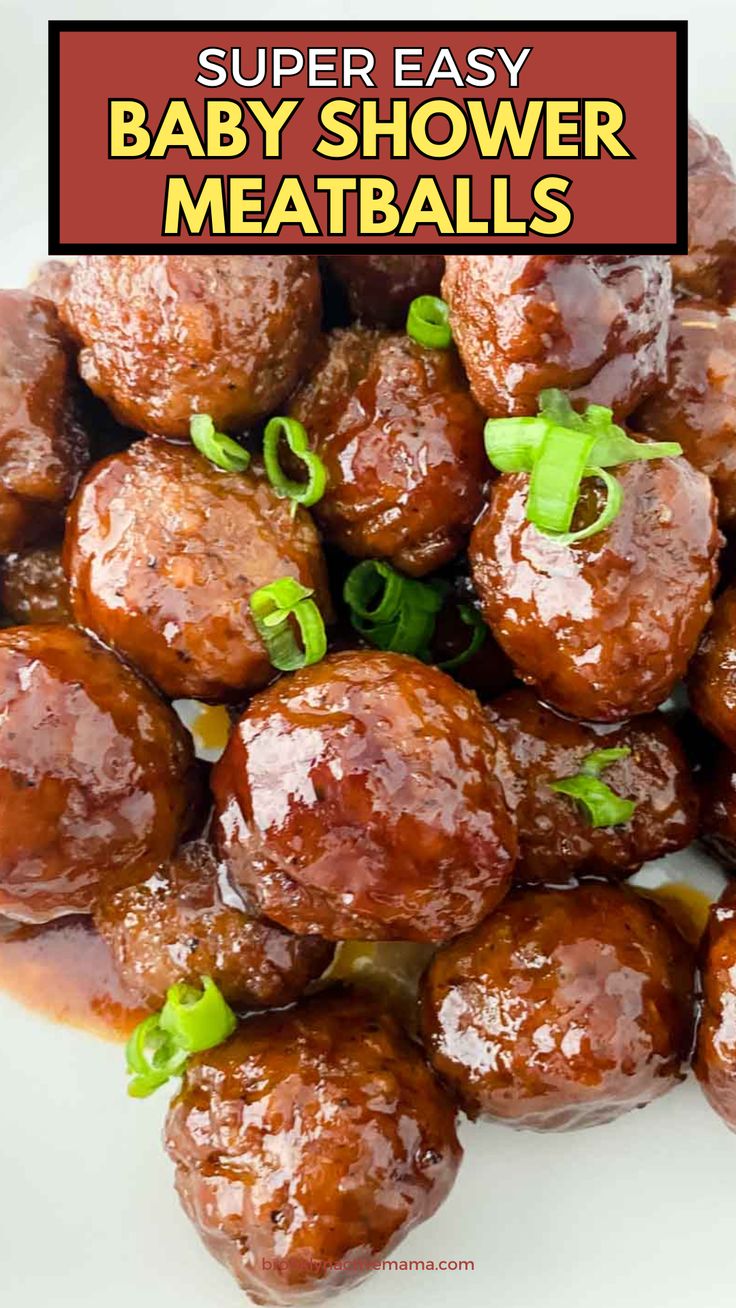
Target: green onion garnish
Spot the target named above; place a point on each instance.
(557, 472)
(197, 1019)
(215, 446)
(471, 617)
(273, 607)
(560, 448)
(604, 808)
(391, 611)
(300, 492)
(610, 510)
(428, 322)
(190, 1020)
(398, 613)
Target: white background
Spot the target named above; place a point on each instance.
(640, 1214)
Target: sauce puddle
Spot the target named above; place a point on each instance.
(686, 905)
(64, 971)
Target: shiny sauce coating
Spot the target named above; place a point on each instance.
(163, 552)
(402, 441)
(593, 325)
(315, 1137)
(65, 972)
(557, 840)
(167, 336)
(604, 627)
(564, 1009)
(696, 406)
(715, 1054)
(358, 799)
(96, 772)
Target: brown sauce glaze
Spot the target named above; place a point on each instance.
(64, 971)
(687, 906)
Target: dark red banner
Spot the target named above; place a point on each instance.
(555, 136)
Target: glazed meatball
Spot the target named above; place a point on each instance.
(557, 840)
(51, 280)
(43, 449)
(712, 675)
(357, 800)
(309, 1143)
(402, 442)
(603, 627)
(594, 325)
(697, 405)
(715, 1050)
(380, 287)
(33, 587)
(96, 772)
(708, 270)
(163, 552)
(168, 335)
(564, 1009)
(718, 807)
(185, 922)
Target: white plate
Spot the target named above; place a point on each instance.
(638, 1214)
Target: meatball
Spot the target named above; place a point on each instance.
(594, 325)
(309, 1144)
(169, 335)
(33, 587)
(185, 922)
(564, 1009)
(557, 840)
(604, 627)
(712, 674)
(380, 287)
(697, 406)
(718, 807)
(163, 551)
(402, 442)
(43, 448)
(96, 772)
(708, 270)
(357, 800)
(715, 1050)
(51, 280)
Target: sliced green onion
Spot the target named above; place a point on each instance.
(428, 322)
(554, 486)
(190, 1020)
(599, 759)
(556, 407)
(613, 446)
(560, 447)
(391, 611)
(152, 1057)
(471, 617)
(610, 510)
(273, 607)
(307, 492)
(197, 1019)
(373, 581)
(512, 444)
(604, 808)
(221, 450)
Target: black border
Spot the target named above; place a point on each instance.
(234, 246)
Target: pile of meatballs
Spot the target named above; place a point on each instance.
(372, 796)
